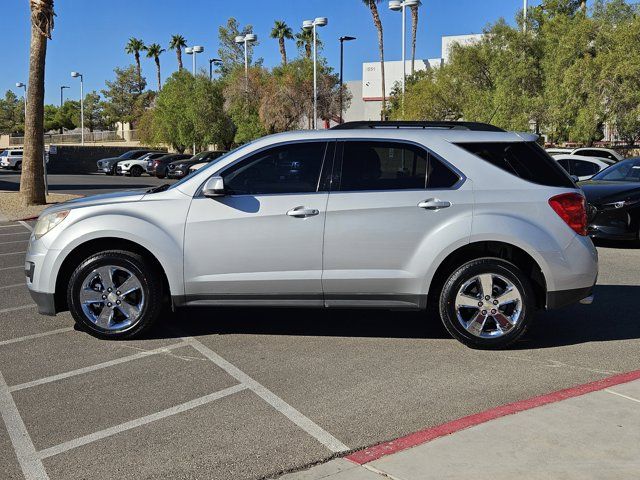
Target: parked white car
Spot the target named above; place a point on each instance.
(478, 223)
(598, 153)
(137, 166)
(11, 159)
(559, 151)
(583, 167)
(197, 166)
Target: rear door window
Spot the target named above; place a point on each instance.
(526, 160)
(581, 168)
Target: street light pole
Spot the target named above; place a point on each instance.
(62, 103)
(524, 16)
(194, 51)
(342, 40)
(245, 40)
(307, 24)
(76, 75)
(24, 98)
(213, 61)
(399, 6)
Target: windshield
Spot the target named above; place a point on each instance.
(625, 171)
(200, 155)
(4, 154)
(127, 155)
(210, 164)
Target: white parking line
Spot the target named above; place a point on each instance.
(9, 226)
(12, 253)
(26, 225)
(98, 366)
(272, 399)
(15, 309)
(31, 465)
(13, 241)
(16, 233)
(6, 287)
(108, 432)
(35, 335)
(12, 268)
(621, 395)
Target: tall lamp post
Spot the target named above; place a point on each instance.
(76, 75)
(525, 11)
(246, 39)
(62, 87)
(193, 51)
(399, 6)
(342, 40)
(307, 25)
(213, 61)
(24, 86)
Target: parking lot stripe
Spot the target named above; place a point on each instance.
(5, 287)
(12, 268)
(17, 233)
(623, 396)
(98, 366)
(12, 242)
(35, 335)
(272, 399)
(108, 432)
(12, 253)
(31, 465)
(15, 309)
(26, 225)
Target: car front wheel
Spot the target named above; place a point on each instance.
(487, 303)
(115, 294)
(135, 171)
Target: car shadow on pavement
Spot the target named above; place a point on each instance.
(620, 244)
(613, 316)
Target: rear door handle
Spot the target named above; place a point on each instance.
(434, 204)
(301, 212)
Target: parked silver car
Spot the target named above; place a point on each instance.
(477, 223)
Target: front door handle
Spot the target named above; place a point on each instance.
(434, 204)
(301, 212)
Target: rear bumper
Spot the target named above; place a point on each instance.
(562, 298)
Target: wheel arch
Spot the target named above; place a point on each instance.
(84, 250)
(502, 250)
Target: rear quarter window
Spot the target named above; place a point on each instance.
(526, 160)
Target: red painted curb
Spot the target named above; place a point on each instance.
(423, 436)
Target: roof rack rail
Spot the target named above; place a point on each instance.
(473, 126)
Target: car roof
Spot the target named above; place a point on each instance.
(566, 156)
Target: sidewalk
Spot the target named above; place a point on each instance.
(590, 436)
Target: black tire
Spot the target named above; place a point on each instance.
(135, 171)
(149, 279)
(18, 166)
(467, 272)
(109, 173)
(160, 175)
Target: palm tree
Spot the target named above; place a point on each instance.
(282, 32)
(414, 35)
(304, 39)
(32, 180)
(154, 51)
(133, 47)
(373, 6)
(177, 43)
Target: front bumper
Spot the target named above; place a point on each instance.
(563, 298)
(45, 301)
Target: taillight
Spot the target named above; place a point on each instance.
(572, 208)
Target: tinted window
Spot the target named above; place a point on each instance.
(526, 160)
(564, 164)
(581, 168)
(293, 168)
(17, 153)
(391, 166)
(4, 153)
(596, 153)
(626, 171)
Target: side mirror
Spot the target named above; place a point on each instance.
(575, 178)
(214, 187)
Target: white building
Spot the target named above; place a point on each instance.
(366, 101)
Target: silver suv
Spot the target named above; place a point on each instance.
(462, 219)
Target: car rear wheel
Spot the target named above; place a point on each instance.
(487, 303)
(115, 294)
(135, 171)
(18, 166)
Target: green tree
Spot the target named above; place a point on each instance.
(11, 113)
(304, 42)
(373, 6)
(134, 47)
(177, 43)
(230, 52)
(94, 115)
(123, 98)
(154, 51)
(282, 32)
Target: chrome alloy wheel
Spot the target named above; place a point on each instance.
(112, 297)
(488, 305)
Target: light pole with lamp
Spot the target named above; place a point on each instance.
(62, 87)
(213, 61)
(76, 75)
(194, 51)
(24, 86)
(401, 6)
(307, 25)
(342, 40)
(246, 39)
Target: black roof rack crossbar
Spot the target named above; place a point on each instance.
(473, 126)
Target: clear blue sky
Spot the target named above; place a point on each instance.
(90, 36)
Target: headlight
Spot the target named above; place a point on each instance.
(48, 222)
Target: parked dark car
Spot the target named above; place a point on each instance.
(158, 166)
(108, 165)
(613, 196)
(180, 168)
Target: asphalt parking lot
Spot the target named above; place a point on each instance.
(251, 393)
(89, 184)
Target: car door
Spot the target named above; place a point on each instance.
(387, 200)
(262, 241)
